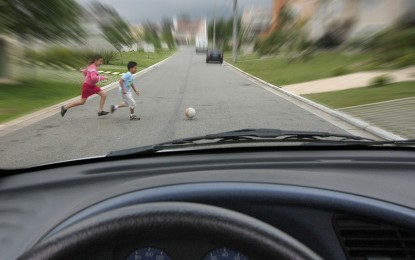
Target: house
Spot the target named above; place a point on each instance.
(362, 17)
(366, 17)
(266, 20)
(255, 21)
(186, 30)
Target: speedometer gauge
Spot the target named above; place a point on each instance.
(148, 253)
(224, 254)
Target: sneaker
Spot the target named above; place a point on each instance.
(134, 117)
(103, 113)
(63, 111)
(113, 109)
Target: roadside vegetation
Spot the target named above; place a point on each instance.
(285, 56)
(276, 69)
(18, 99)
(365, 95)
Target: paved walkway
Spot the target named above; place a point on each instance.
(355, 80)
(395, 116)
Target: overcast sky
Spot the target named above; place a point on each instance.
(136, 11)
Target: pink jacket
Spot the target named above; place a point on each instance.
(92, 76)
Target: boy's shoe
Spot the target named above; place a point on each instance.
(113, 109)
(103, 113)
(63, 111)
(134, 117)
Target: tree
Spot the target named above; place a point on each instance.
(114, 29)
(47, 20)
(167, 25)
(150, 34)
(223, 32)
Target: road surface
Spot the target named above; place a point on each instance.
(224, 100)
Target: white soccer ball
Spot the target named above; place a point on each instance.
(190, 112)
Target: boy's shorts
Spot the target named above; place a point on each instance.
(128, 99)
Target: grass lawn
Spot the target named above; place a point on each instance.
(279, 72)
(366, 95)
(22, 98)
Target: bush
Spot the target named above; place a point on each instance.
(340, 71)
(359, 43)
(404, 61)
(61, 57)
(393, 39)
(271, 44)
(381, 80)
(328, 40)
(389, 56)
(109, 56)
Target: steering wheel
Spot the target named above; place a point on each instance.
(255, 239)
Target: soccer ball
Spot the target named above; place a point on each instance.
(190, 112)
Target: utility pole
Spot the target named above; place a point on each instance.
(235, 31)
(214, 32)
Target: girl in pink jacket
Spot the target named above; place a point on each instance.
(89, 87)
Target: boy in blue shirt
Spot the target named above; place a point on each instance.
(126, 83)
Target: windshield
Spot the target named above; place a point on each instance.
(82, 78)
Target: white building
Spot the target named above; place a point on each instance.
(367, 16)
(255, 21)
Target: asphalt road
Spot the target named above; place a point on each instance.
(224, 101)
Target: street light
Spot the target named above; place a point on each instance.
(235, 31)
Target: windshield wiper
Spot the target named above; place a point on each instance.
(264, 136)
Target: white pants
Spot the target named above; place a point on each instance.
(129, 100)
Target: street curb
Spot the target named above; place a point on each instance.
(34, 117)
(345, 117)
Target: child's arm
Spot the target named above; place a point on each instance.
(95, 77)
(124, 91)
(135, 90)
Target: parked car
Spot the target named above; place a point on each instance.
(214, 55)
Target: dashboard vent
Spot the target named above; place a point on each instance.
(364, 239)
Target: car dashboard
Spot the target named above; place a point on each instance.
(340, 203)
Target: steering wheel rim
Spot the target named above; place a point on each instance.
(252, 237)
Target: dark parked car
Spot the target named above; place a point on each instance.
(214, 55)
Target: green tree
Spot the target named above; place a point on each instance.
(150, 34)
(167, 35)
(224, 30)
(114, 29)
(47, 20)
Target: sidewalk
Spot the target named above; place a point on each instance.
(395, 116)
(355, 80)
(397, 128)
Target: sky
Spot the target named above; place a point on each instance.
(136, 11)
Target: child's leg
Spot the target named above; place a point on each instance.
(115, 107)
(102, 102)
(73, 104)
(76, 103)
(129, 101)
